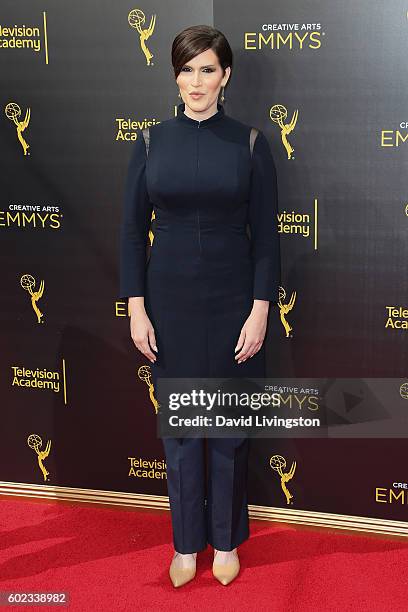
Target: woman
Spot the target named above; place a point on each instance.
(200, 306)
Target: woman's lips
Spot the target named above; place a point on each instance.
(195, 95)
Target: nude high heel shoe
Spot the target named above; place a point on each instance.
(226, 572)
(181, 575)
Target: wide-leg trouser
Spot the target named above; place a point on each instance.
(207, 508)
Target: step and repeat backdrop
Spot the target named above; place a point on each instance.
(326, 83)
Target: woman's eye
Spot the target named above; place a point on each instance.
(185, 69)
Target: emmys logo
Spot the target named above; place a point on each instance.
(34, 441)
(390, 496)
(137, 19)
(145, 374)
(13, 112)
(289, 35)
(406, 210)
(284, 309)
(394, 138)
(31, 216)
(278, 113)
(404, 390)
(28, 283)
(397, 317)
(278, 463)
(146, 468)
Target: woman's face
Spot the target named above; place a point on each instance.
(202, 75)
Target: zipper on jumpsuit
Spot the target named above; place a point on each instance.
(208, 373)
(198, 212)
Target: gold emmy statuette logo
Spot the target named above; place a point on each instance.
(404, 390)
(28, 283)
(278, 463)
(151, 235)
(285, 308)
(34, 441)
(406, 210)
(145, 374)
(13, 112)
(137, 19)
(278, 113)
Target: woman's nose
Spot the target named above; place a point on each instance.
(196, 80)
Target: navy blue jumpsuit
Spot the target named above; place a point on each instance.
(199, 284)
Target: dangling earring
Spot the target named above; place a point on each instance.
(179, 94)
(222, 95)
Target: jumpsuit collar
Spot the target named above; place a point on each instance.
(181, 116)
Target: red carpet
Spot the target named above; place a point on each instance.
(117, 560)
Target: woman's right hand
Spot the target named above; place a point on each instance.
(141, 329)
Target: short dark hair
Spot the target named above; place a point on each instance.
(194, 40)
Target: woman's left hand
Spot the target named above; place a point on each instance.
(253, 331)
